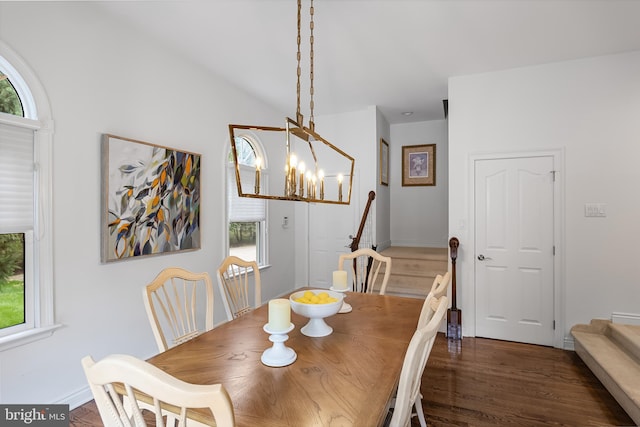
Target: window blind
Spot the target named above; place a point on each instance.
(16, 178)
(243, 209)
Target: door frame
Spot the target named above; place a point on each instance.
(469, 292)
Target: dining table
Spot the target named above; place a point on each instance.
(347, 378)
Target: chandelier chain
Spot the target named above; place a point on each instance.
(311, 25)
(299, 72)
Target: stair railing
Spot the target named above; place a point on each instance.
(355, 241)
(360, 283)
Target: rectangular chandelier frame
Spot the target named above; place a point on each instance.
(319, 185)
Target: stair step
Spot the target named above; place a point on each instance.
(413, 288)
(418, 267)
(416, 253)
(603, 346)
(414, 269)
(627, 337)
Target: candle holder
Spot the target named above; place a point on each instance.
(278, 355)
(346, 308)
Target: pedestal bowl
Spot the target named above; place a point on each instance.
(316, 327)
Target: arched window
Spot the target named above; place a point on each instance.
(26, 277)
(246, 217)
(10, 102)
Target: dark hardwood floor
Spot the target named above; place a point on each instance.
(482, 382)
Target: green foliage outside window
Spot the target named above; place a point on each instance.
(11, 288)
(242, 233)
(12, 304)
(9, 100)
(11, 255)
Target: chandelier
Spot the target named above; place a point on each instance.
(312, 169)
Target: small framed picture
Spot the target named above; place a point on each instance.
(418, 165)
(384, 162)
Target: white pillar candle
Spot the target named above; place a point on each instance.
(279, 314)
(340, 279)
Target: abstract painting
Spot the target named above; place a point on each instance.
(151, 199)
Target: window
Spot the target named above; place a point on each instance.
(16, 226)
(246, 216)
(10, 102)
(26, 279)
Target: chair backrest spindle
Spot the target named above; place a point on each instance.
(365, 268)
(175, 311)
(234, 281)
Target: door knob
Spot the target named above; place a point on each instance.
(482, 257)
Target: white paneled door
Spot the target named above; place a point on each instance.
(329, 228)
(514, 264)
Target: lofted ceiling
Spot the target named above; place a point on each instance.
(396, 54)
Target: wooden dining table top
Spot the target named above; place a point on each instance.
(344, 379)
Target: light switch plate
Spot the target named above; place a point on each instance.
(595, 210)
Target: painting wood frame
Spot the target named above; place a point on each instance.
(418, 165)
(384, 162)
(150, 199)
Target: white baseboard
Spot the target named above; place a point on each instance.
(78, 398)
(569, 343)
(626, 318)
(383, 245)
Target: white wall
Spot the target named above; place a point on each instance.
(589, 108)
(355, 133)
(419, 215)
(103, 77)
(383, 192)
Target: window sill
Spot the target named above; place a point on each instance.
(264, 267)
(26, 337)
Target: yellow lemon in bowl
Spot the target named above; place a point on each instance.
(309, 297)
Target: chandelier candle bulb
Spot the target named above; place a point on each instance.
(293, 163)
(279, 314)
(340, 178)
(309, 184)
(321, 176)
(286, 180)
(301, 168)
(313, 186)
(340, 279)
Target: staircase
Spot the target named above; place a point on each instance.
(414, 268)
(612, 352)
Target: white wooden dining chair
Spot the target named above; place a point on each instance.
(235, 283)
(408, 394)
(438, 289)
(179, 304)
(123, 386)
(364, 266)
(440, 285)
